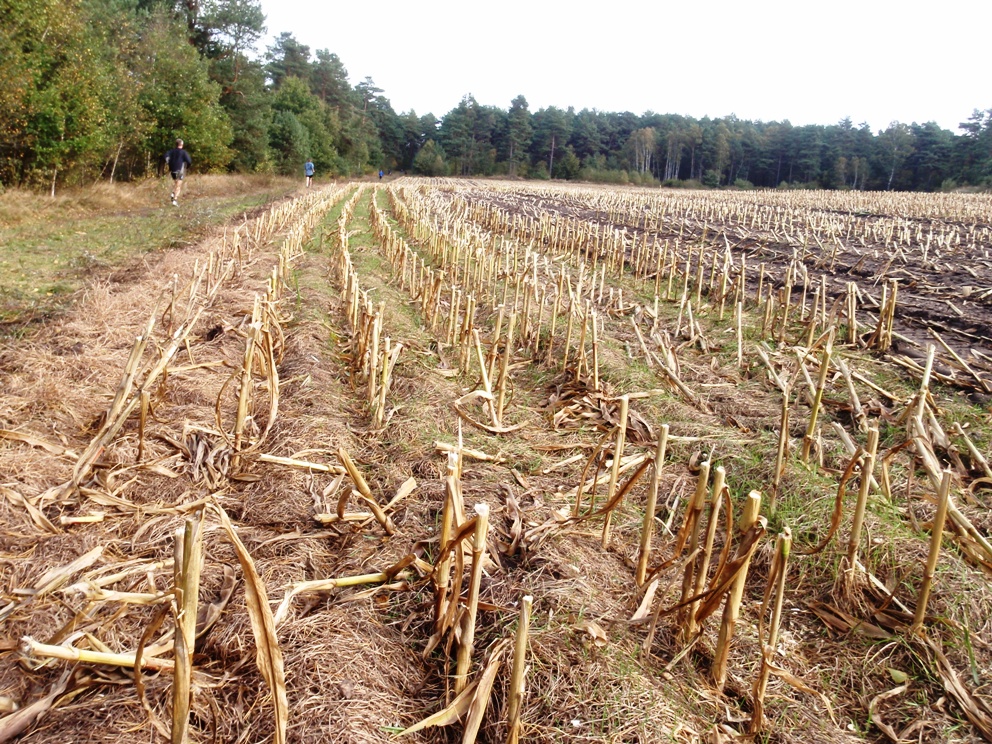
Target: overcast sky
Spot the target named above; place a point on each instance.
(809, 62)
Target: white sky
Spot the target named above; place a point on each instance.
(810, 62)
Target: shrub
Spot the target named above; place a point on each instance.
(567, 166)
(429, 160)
(539, 171)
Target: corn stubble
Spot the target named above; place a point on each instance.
(500, 290)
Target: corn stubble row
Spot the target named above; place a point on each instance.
(215, 451)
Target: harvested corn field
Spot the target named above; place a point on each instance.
(439, 460)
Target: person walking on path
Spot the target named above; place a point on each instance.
(178, 161)
(308, 171)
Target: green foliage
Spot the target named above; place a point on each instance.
(295, 107)
(178, 95)
(329, 80)
(551, 131)
(539, 171)
(604, 176)
(287, 58)
(466, 134)
(567, 165)
(518, 134)
(290, 141)
(642, 179)
(430, 160)
(232, 27)
(51, 114)
(249, 107)
(975, 152)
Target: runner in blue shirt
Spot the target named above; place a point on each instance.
(308, 171)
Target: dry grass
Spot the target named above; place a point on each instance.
(18, 206)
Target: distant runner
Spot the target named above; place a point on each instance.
(178, 161)
(308, 171)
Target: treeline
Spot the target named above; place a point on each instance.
(680, 150)
(100, 88)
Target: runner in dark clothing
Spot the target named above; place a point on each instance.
(178, 161)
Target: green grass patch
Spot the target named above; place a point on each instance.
(50, 249)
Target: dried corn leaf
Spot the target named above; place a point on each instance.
(517, 525)
(406, 488)
(838, 507)
(975, 709)
(472, 454)
(447, 716)
(20, 721)
(36, 514)
(58, 576)
(52, 449)
(593, 632)
(110, 499)
(795, 682)
(159, 468)
(876, 717)
(644, 608)
(728, 571)
(644, 464)
(246, 477)
(480, 700)
(139, 685)
(207, 615)
(484, 427)
(842, 622)
(269, 655)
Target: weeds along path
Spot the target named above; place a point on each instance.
(369, 428)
